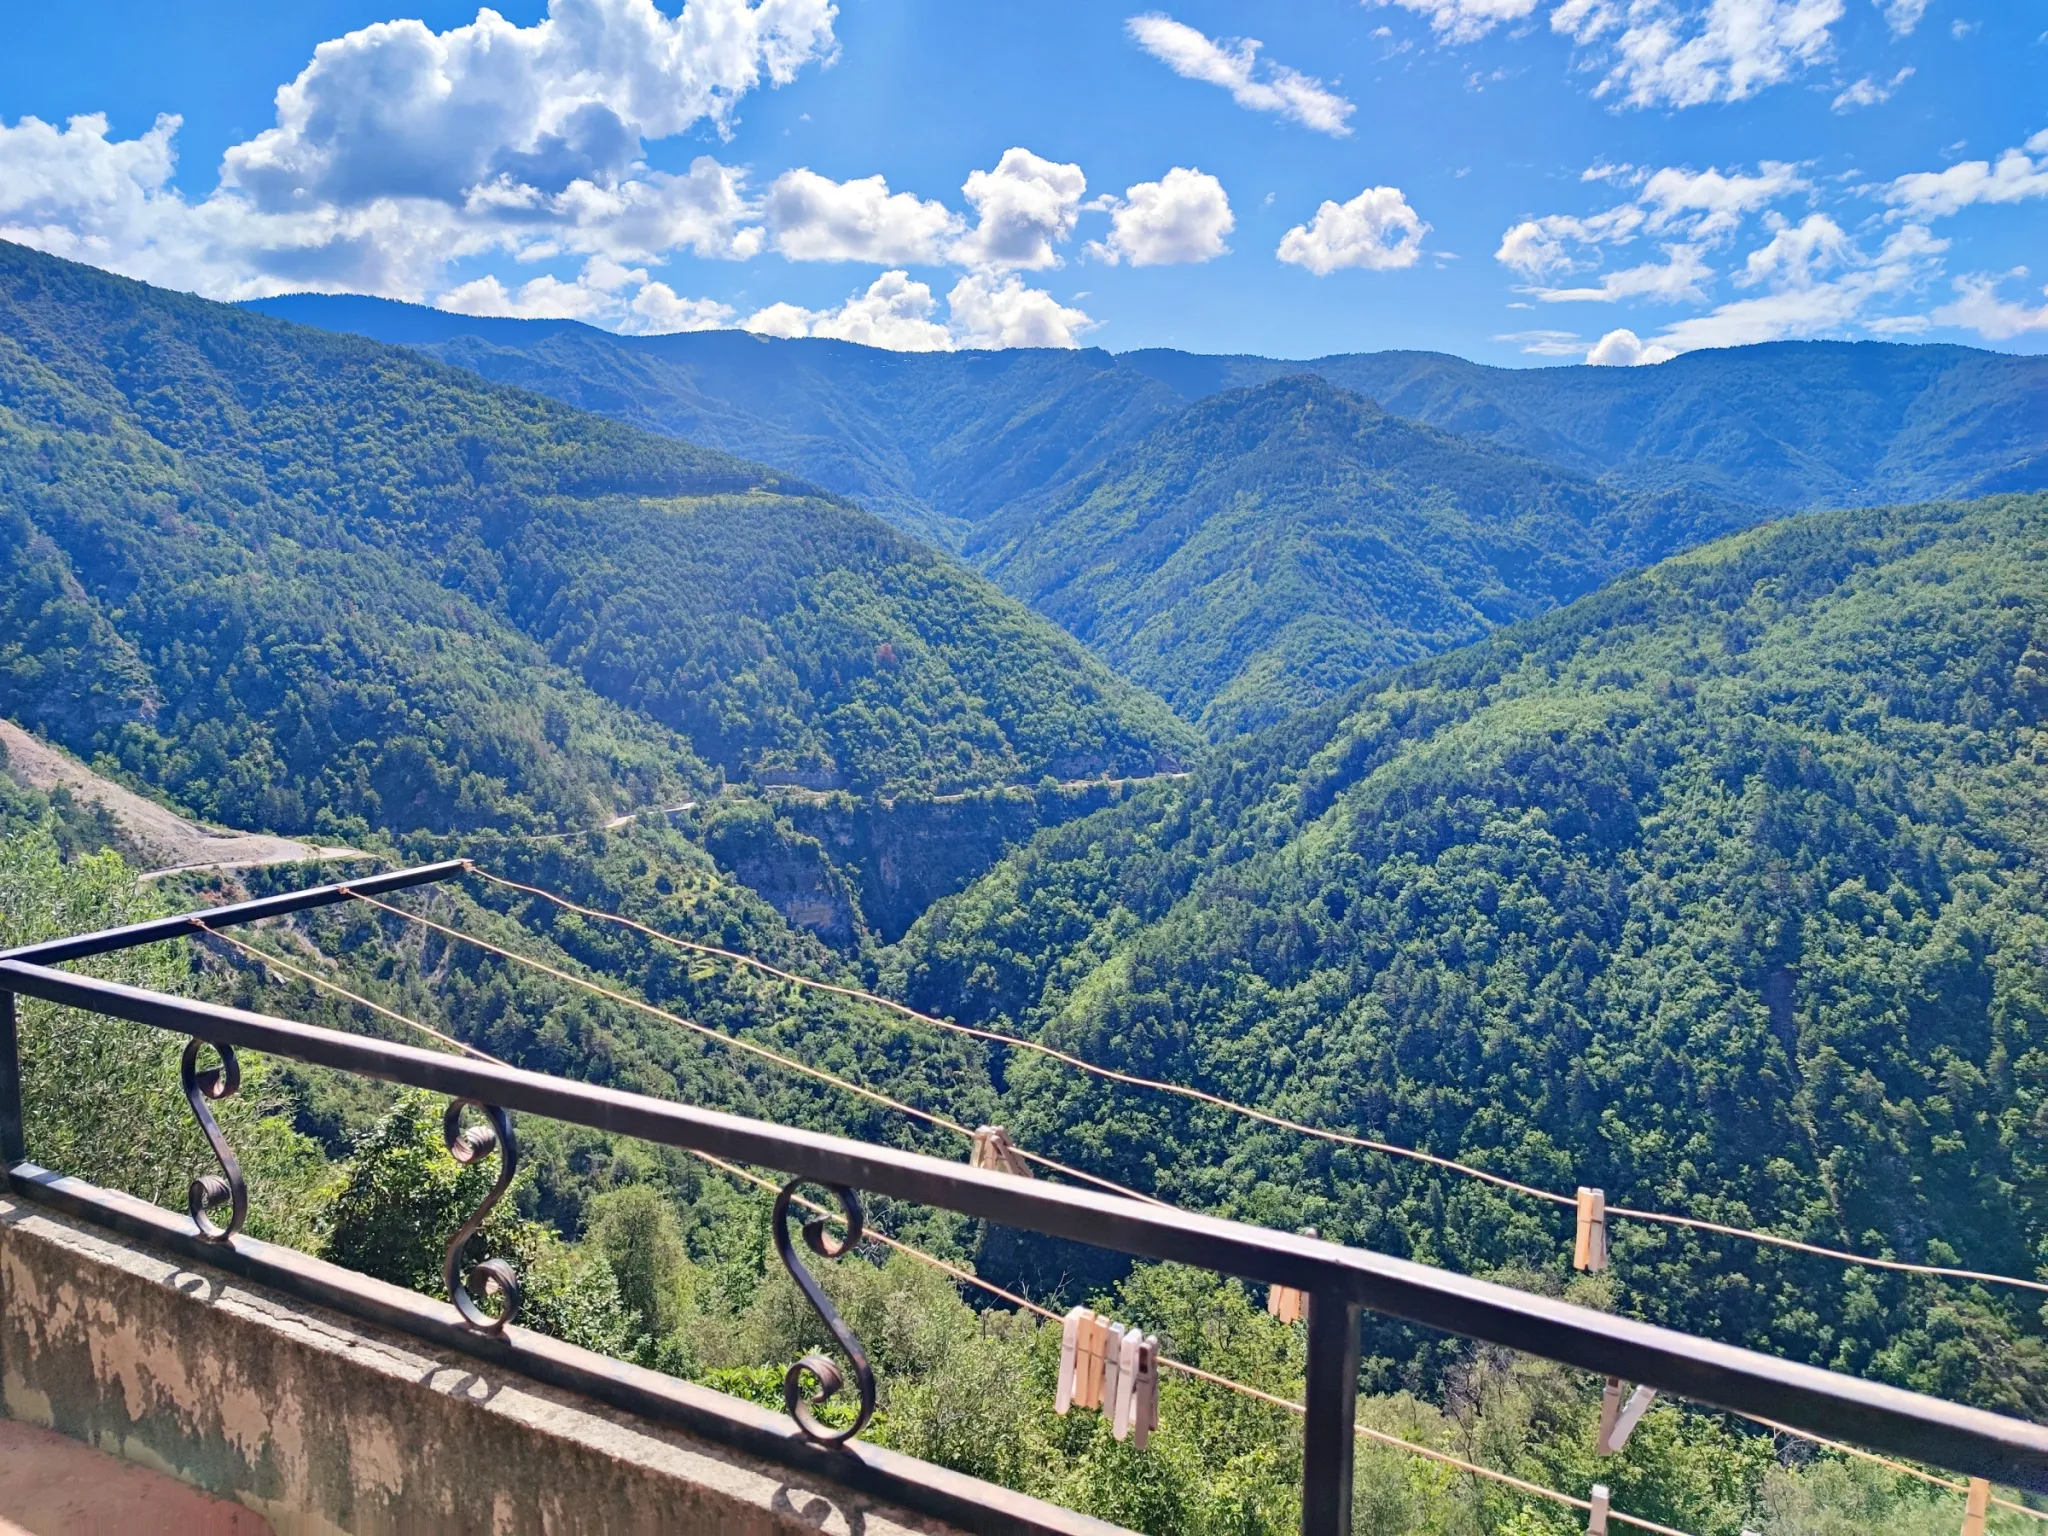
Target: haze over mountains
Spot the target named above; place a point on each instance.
(1288, 567)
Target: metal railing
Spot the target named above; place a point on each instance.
(1340, 1281)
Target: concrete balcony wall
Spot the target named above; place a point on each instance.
(324, 1424)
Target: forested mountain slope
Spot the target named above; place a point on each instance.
(1721, 889)
(287, 574)
(1273, 545)
(931, 442)
(937, 441)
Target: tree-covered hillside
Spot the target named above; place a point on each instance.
(1782, 424)
(1271, 546)
(936, 442)
(286, 575)
(1721, 890)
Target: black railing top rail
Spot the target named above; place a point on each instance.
(1342, 1279)
(107, 941)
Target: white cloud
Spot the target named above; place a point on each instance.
(1464, 21)
(1978, 307)
(1796, 252)
(603, 293)
(1934, 194)
(1376, 230)
(813, 218)
(996, 310)
(895, 313)
(1902, 16)
(1182, 217)
(985, 309)
(1660, 53)
(1868, 92)
(1905, 263)
(1539, 247)
(1233, 64)
(399, 150)
(1025, 207)
(1708, 203)
(1625, 349)
(1679, 276)
(399, 110)
(1546, 343)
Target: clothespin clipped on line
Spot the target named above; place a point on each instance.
(1978, 1507)
(1618, 1420)
(992, 1149)
(1284, 1301)
(1106, 1366)
(1596, 1522)
(1590, 1252)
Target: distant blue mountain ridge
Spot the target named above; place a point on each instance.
(937, 441)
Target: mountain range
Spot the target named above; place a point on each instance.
(285, 574)
(1243, 557)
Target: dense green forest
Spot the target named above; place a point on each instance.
(1270, 546)
(1720, 890)
(291, 576)
(936, 442)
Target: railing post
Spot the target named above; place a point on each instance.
(13, 1144)
(1332, 1403)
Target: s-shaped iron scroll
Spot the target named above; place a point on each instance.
(211, 1191)
(492, 1276)
(824, 1370)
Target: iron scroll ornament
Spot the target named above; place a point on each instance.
(490, 1276)
(824, 1370)
(211, 1191)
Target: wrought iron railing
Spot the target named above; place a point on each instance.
(1340, 1281)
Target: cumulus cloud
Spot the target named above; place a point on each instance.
(1869, 92)
(1233, 63)
(1680, 275)
(1541, 247)
(1797, 253)
(1809, 306)
(1025, 207)
(1935, 194)
(603, 293)
(1464, 21)
(1182, 217)
(1902, 16)
(1710, 203)
(399, 110)
(813, 218)
(1659, 53)
(1625, 349)
(989, 309)
(1376, 230)
(1977, 307)
(895, 312)
(399, 150)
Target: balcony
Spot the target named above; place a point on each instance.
(325, 1400)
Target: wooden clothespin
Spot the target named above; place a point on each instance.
(1123, 1412)
(1590, 1253)
(1618, 1420)
(992, 1149)
(1284, 1301)
(1977, 1509)
(1070, 1345)
(1090, 1342)
(1596, 1522)
(1145, 1413)
(1112, 1368)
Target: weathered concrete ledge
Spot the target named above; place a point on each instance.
(324, 1423)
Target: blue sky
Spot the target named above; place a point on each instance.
(1517, 181)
